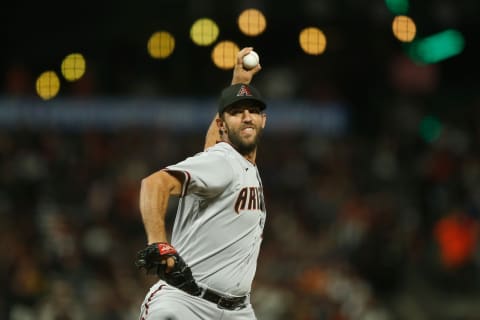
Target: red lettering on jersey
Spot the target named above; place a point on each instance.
(241, 200)
(252, 202)
(258, 197)
(261, 199)
(250, 198)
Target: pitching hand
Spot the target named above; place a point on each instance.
(240, 74)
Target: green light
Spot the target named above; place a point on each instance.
(397, 7)
(437, 47)
(430, 128)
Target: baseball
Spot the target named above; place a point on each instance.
(251, 60)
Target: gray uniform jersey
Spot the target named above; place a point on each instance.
(219, 223)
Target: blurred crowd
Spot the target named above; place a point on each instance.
(377, 226)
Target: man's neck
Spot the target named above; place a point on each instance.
(251, 156)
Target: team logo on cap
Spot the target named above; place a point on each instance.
(244, 91)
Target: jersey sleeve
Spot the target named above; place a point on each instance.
(206, 174)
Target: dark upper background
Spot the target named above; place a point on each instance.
(113, 36)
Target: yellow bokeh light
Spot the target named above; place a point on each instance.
(313, 41)
(73, 66)
(161, 45)
(204, 32)
(252, 22)
(47, 85)
(404, 28)
(224, 54)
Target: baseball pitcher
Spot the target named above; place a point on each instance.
(207, 269)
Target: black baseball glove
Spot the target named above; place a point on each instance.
(153, 258)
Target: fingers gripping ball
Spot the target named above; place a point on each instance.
(153, 258)
(250, 60)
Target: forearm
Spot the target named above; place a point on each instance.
(240, 75)
(154, 196)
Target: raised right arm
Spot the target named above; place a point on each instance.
(240, 75)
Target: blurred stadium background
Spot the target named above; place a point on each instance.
(370, 159)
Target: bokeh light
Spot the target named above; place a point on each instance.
(430, 129)
(312, 41)
(47, 85)
(224, 54)
(404, 28)
(204, 32)
(436, 47)
(397, 6)
(73, 66)
(161, 45)
(252, 22)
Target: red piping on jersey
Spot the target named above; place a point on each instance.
(187, 182)
(146, 306)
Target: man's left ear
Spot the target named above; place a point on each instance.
(264, 120)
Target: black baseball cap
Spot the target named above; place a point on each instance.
(240, 92)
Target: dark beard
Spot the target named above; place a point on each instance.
(240, 146)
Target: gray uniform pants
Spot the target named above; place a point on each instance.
(164, 302)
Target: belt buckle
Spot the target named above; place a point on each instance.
(228, 304)
(224, 304)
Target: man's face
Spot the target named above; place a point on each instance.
(243, 125)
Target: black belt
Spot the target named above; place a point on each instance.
(230, 303)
